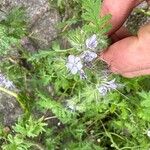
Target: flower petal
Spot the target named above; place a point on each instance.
(74, 70)
(103, 90)
(77, 59)
(92, 42)
(71, 58)
(93, 37)
(88, 56)
(93, 54)
(79, 65)
(69, 66)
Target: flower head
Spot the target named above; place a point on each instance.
(74, 64)
(88, 56)
(102, 90)
(5, 82)
(92, 42)
(111, 85)
(107, 86)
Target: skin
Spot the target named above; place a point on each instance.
(129, 55)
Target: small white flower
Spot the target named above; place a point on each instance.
(148, 133)
(88, 56)
(59, 123)
(74, 64)
(98, 140)
(92, 132)
(72, 108)
(71, 105)
(102, 90)
(92, 42)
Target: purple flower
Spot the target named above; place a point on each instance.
(5, 82)
(102, 90)
(107, 86)
(74, 64)
(88, 56)
(92, 42)
(111, 85)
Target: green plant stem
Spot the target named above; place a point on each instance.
(49, 118)
(110, 137)
(37, 146)
(61, 51)
(8, 92)
(129, 147)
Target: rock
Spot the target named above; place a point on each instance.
(27, 44)
(45, 29)
(9, 109)
(42, 19)
(2, 15)
(137, 18)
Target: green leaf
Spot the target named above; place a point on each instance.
(64, 115)
(31, 128)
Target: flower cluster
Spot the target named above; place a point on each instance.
(88, 56)
(92, 42)
(75, 64)
(5, 82)
(107, 86)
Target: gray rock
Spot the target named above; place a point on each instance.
(2, 15)
(137, 18)
(42, 19)
(44, 30)
(9, 109)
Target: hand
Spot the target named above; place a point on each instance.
(130, 55)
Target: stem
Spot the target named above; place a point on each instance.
(110, 137)
(122, 94)
(129, 147)
(8, 92)
(70, 49)
(13, 95)
(117, 135)
(38, 146)
(48, 118)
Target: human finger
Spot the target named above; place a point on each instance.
(119, 9)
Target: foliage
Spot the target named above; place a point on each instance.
(60, 112)
(5, 41)
(25, 132)
(15, 22)
(65, 111)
